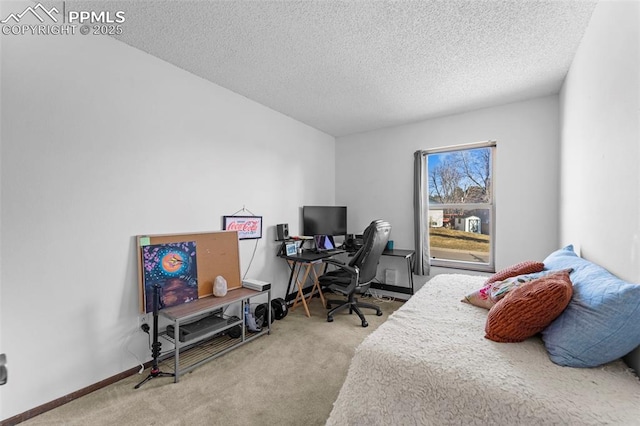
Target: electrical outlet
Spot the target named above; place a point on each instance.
(144, 324)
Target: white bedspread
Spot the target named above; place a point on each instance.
(429, 364)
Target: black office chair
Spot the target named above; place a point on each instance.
(356, 276)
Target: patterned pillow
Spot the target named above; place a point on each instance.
(481, 298)
(491, 293)
(529, 308)
(500, 289)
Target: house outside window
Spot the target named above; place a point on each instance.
(460, 211)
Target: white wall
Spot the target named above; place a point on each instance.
(101, 142)
(600, 138)
(374, 172)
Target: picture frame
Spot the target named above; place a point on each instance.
(291, 249)
(248, 227)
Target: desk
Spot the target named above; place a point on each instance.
(307, 260)
(408, 255)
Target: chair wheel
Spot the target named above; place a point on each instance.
(365, 324)
(329, 319)
(379, 313)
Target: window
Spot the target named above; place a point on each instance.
(458, 208)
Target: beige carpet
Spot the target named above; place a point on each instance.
(290, 377)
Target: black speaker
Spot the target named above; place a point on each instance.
(282, 231)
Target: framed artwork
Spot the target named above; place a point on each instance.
(172, 267)
(248, 227)
(291, 249)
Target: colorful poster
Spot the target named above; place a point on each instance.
(172, 267)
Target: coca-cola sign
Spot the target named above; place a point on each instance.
(248, 227)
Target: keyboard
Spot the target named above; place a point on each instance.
(334, 251)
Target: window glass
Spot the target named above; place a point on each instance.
(460, 213)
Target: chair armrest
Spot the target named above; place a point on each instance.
(334, 262)
(353, 270)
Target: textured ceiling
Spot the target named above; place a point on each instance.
(351, 66)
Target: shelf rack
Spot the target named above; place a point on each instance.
(182, 314)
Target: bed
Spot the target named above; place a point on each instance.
(430, 364)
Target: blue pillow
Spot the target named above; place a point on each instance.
(602, 321)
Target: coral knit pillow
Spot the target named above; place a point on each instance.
(529, 308)
(528, 267)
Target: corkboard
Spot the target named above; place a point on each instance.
(217, 253)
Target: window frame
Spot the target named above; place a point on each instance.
(490, 206)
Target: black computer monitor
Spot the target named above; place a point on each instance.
(324, 220)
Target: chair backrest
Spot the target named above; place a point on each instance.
(375, 239)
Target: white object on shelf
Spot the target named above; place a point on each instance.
(257, 285)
